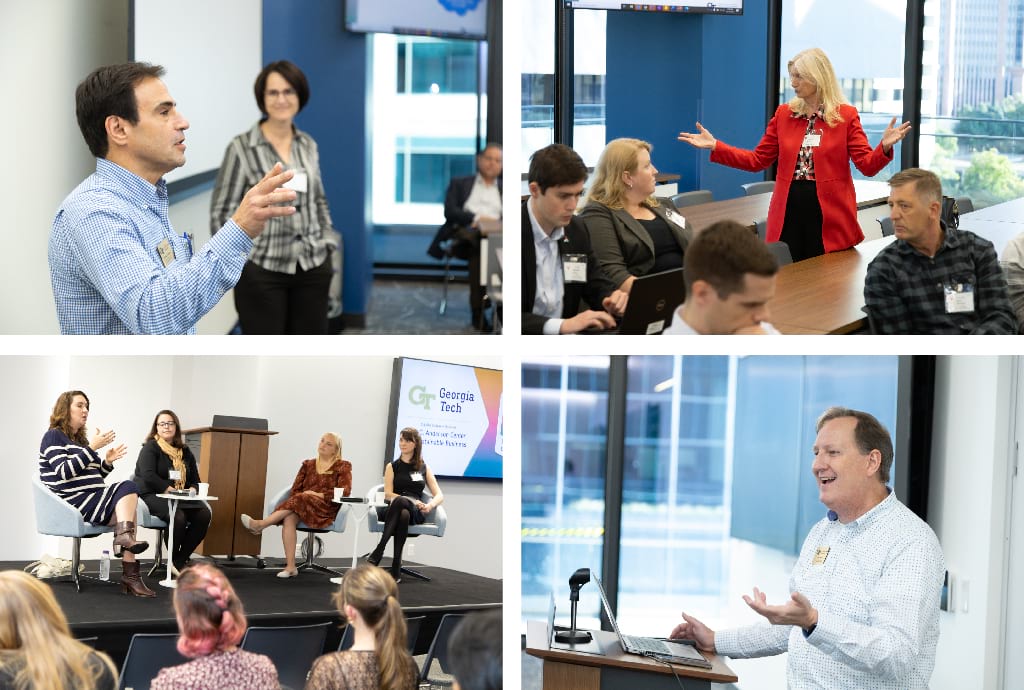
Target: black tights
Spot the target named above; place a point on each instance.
(396, 524)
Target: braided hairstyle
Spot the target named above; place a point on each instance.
(210, 614)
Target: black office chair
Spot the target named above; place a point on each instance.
(438, 673)
(412, 631)
(752, 188)
(147, 654)
(292, 648)
(887, 226)
(780, 250)
(964, 204)
(698, 196)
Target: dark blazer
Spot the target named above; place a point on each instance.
(622, 244)
(152, 469)
(593, 291)
(455, 216)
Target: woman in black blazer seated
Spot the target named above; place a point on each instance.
(165, 463)
(632, 232)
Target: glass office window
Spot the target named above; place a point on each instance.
(589, 66)
(537, 67)
(973, 103)
(871, 78)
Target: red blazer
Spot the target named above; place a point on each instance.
(839, 145)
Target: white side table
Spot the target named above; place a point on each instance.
(360, 516)
(172, 501)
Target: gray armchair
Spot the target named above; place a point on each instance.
(311, 545)
(57, 517)
(434, 525)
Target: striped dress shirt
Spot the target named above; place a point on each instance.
(302, 239)
(106, 269)
(877, 595)
(75, 473)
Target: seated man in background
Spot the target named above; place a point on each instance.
(1013, 270)
(470, 201)
(559, 266)
(934, 279)
(730, 278)
(116, 264)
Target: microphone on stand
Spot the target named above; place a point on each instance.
(572, 635)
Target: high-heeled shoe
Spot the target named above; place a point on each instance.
(131, 580)
(247, 523)
(124, 539)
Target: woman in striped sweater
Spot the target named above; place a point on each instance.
(71, 467)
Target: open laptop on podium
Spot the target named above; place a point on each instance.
(652, 647)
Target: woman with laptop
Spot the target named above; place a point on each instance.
(632, 232)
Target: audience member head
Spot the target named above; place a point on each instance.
(36, 647)
(556, 178)
(730, 277)
(166, 426)
(210, 615)
(488, 162)
(110, 91)
(330, 445)
(70, 413)
(617, 171)
(368, 600)
(869, 434)
(474, 651)
(288, 71)
(915, 207)
(409, 441)
(812, 65)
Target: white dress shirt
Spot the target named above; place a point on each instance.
(484, 199)
(680, 327)
(877, 595)
(550, 282)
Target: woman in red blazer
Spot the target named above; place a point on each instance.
(814, 137)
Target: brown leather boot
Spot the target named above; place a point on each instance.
(124, 538)
(131, 580)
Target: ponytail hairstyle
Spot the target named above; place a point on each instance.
(413, 436)
(36, 647)
(372, 592)
(210, 614)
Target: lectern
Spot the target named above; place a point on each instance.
(233, 459)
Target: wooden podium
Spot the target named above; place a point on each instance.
(234, 463)
(565, 669)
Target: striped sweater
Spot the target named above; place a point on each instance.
(76, 473)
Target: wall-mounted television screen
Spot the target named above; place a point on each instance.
(720, 7)
(458, 411)
(444, 18)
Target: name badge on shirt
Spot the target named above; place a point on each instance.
(166, 252)
(174, 474)
(675, 218)
(574, 268)
(820, 555)
(812, 140)
(416, 476)
(959, 297)
(299, 183)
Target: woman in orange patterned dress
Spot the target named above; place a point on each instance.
(310, 500)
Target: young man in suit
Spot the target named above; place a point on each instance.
(559, 267)
(470, 201)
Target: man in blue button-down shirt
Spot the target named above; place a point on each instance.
(116, 264)
(864, 594)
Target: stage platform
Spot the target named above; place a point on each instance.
(101, 610)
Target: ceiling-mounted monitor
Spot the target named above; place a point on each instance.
(443, 18)
(721, 7)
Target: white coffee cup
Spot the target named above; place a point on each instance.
(339, 493)
(204, 489)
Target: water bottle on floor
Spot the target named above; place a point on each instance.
(105, 565)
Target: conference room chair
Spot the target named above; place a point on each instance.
(434, 525)
(761, 227)
(446, 249)
(56, 517)
(312, 546)
(752, 188)
(699, 196)
(964, 204)
(91, 641)
(887, 226)
(780, 250)
(292, 648)
(435, 670)
(412, 631)
(147, 654)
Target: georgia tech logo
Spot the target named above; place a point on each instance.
(419, 396)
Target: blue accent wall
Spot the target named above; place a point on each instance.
(336, 64)
(666, 71)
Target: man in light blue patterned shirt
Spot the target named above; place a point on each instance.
(864, 604)
(116, 264)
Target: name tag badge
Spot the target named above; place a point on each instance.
(812, 140)
(675, 218)
(416, 476)
(299, 183)
(820, 555)
(959, 298)
(174, 474)
(574, 268)
(166, 252)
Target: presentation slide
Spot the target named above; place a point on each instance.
(450, 18)
(722, 7)
(458, 412)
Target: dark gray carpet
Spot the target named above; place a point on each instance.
(411, 307)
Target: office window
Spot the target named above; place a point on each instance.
(872, 80)
(537, 67)
(973, 124)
